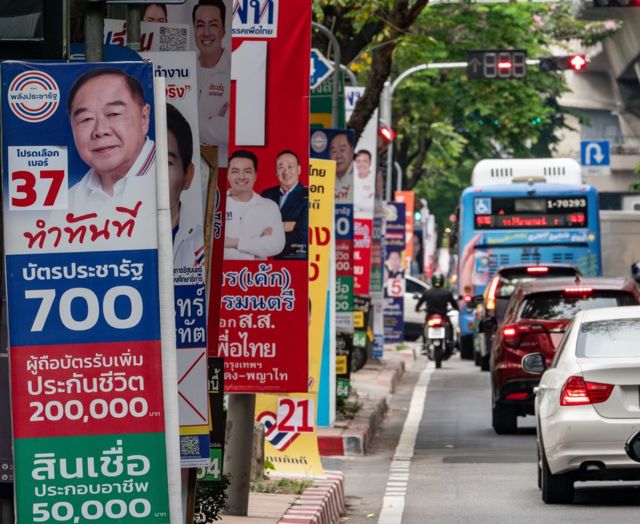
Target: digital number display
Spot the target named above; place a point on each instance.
(516, 213)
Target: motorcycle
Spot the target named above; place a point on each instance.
(438, 342)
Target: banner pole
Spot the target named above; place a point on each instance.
(167, 307)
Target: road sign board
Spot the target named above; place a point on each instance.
(321, 68)
(595, 157)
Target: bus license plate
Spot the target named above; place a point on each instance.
(436, 332)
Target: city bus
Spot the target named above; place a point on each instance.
(523, 211)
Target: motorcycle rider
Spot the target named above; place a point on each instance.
(437, 298)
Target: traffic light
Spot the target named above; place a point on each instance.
(496, 63)
(577, 63)
(386, 135)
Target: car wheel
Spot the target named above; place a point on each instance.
(484, 362)
(505, 421)
(466, 349)
(556, 489)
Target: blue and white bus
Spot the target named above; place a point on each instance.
(523, 211)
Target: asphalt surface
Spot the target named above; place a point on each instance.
(461, 471)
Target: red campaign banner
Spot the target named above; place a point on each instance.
(362, 236)
(344, 258)
(86, 389)
(264, 309)
(260, 327)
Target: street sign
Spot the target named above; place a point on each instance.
(488, 64)
(595, 157)
(321, 68)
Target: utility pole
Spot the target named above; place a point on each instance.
(94, 30)
(337, 59)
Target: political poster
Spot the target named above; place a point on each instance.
(394, 283)
(408, 198)
(291, 440)
(264, 303)
(81, 256)
(185, 194)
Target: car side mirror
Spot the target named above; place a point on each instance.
(488, 325)
(534, 363)
(632, 447)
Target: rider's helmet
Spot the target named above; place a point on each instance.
(437, 280)
(635, 271)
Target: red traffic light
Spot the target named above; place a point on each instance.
(577, 62)
(387, 134)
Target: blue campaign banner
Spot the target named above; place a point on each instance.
(344, 221)
(106, 296)
(322, 140)
(393, 320)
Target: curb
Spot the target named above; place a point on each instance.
(354, 439)
(322, 503)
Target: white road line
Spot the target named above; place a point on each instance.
(394, 498)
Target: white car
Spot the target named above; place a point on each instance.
(588, 402)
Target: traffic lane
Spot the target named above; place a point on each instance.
(366, 477)
(463, 472)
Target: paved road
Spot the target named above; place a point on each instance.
(461, 471)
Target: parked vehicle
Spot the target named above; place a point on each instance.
(493, 302)
(413, 320)
(535, 320)
(439, 339)
(587, 403)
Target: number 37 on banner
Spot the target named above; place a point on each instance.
(295, 414)
(38, 178)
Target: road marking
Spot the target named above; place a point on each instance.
(396, 489)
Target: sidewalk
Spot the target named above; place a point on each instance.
(324, 501)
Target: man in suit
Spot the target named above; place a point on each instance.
(293, 200)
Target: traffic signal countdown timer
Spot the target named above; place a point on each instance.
(489, 64)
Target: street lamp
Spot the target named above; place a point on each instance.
(337, 58)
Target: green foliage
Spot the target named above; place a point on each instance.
(282, 486)
(211, 498)
(268, 465)
(347, 409)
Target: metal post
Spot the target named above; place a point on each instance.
(134, 17)
(237, 451)
(399, 174)
(337, 59)
(385, 116)
(94, 31)
(352, 78)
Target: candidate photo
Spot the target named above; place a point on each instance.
(292, 199)
(253, 224)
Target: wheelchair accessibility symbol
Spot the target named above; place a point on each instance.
(482, 206)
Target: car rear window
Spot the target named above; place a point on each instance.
(616, 338)
(509, 280)
(555, 305)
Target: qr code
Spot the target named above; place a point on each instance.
(174, 39)
(189, 446)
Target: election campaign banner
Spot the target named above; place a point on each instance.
(291, 440)
(215, 384)
(185, 195)
(394, 283)
(153, 36)
(322, 273)
(81, 255)
(408, 198)
(264, 304)
(377, 286)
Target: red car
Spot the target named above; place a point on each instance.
(535, 319)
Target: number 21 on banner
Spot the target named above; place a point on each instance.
(38, 178)
(295, 414)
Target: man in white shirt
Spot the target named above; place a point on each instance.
(110, 120)
(341, 150)
(363, 183)
(214, 74)
(253, 225)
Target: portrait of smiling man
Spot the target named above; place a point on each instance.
(293, 200)
(214, 72)
(253, 226)
(110, 121)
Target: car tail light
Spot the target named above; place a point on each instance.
(577, 392)
(467, 298)
(491, 294)
(511, 335)
(519, 395)
(578, 292)
(537, 270)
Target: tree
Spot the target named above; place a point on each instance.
(374, 25)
